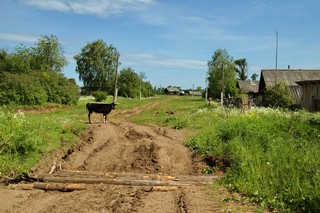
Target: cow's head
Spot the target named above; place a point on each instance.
(113, 105)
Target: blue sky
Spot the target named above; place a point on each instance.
(171, 41)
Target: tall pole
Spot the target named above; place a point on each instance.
(222, 86)
(115, 96)
(276, 57)
(206, 96)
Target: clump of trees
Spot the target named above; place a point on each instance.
(33, 76)
(97, 66)
(221, 74)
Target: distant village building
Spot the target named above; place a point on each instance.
(193, 93)
(249, 87)
(310, 94)
(172, 91)
(270, 77)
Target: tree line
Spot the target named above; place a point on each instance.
(33, 75)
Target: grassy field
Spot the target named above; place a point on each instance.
(274, 155)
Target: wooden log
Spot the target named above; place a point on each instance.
(164, 188)
(115, 181)
(59, 186)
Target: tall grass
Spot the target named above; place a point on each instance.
(275, 155)
(24, 137)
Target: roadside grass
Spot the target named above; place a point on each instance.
(274, 155)
(25, 136)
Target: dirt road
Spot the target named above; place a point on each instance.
(136, 155)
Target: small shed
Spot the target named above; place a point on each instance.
(172, 91)
(310, 94)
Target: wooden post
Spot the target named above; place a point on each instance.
(115, 96)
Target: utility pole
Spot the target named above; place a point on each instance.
(276, 57)
(222, 86)
(115, 96)
(206, 96)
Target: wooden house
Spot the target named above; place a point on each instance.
(249, 87)
(310, 94)
(172, 91)
(270, 77)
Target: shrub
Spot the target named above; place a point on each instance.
(277, 96)
(21, 89)
(99, 96)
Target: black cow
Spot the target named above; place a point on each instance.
(105, 109)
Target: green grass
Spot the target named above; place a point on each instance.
(24, 137)
(274, 155)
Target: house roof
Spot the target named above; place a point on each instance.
(172, 89)
(248, 86)
(289, 76)
(308, 82)
(197, 93)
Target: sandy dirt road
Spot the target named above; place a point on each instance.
(133, 153)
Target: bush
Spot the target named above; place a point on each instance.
(21, 89)
(37, 88)
(99, 96)
(59, 89)
(277, 96)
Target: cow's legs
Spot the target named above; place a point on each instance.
(105, 118)
(89, 117)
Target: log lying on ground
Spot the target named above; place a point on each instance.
(128, 182)
(59, 186)
(98, 176)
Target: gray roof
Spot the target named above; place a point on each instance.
(289, 76)
(172, 89)
(248, 86)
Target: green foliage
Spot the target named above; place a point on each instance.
(96, 65)
(25, 137)
(274, 155)
(242, 68)
(32, 76)
(48, 55)
(59, 89)
(99, 96)
(18, 142)
(37, 88)
(221, 65)
(277, 96)
(21, 89)
(129, 83)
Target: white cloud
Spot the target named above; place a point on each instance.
(160, 61)
(93, 7)
(18, 37)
